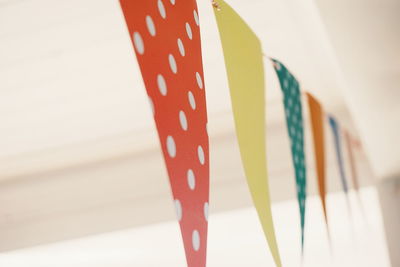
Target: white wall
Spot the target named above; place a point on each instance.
(366, 37)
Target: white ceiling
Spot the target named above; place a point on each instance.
(366, 37)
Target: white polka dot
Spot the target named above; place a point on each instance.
(151, 106)
(206, 211)
(200, 154)
(298, 146)
(162, 86)
(199, 80)
(150, 26)
(277, 65)
(181, 47)
(196, 17)
(178, 209)
(196, 240)
(189, 31)
(191, 179)
(192, 101)
(297, 108)
(172, 2)
(292, 130)
(172, 63)
(298, 188)
(138, 41)
(171, 147)
(183, 120)
(285, 83)
(299, 135)
(161, 9)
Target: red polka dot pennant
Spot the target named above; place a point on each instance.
(166, 39)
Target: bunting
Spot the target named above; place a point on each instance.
(294, 122)
(353, 169)
(317, 125)
(336, 135)
(245, 70)
(166, 40)
(350, 142)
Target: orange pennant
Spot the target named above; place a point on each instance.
(317, 123)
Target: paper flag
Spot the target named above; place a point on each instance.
(166, 39)
(317, 125)
(336, 134)
(353, 169)
(294, 121)
(245, 69)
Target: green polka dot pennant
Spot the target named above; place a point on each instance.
(294, 121)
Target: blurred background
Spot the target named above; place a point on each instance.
(82, 179)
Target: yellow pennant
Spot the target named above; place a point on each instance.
(245, 69)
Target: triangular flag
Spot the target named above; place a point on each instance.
(166, 39)
(245, 69)
(338, 147)
(353, 169)
(294, 121)
(317, 125)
